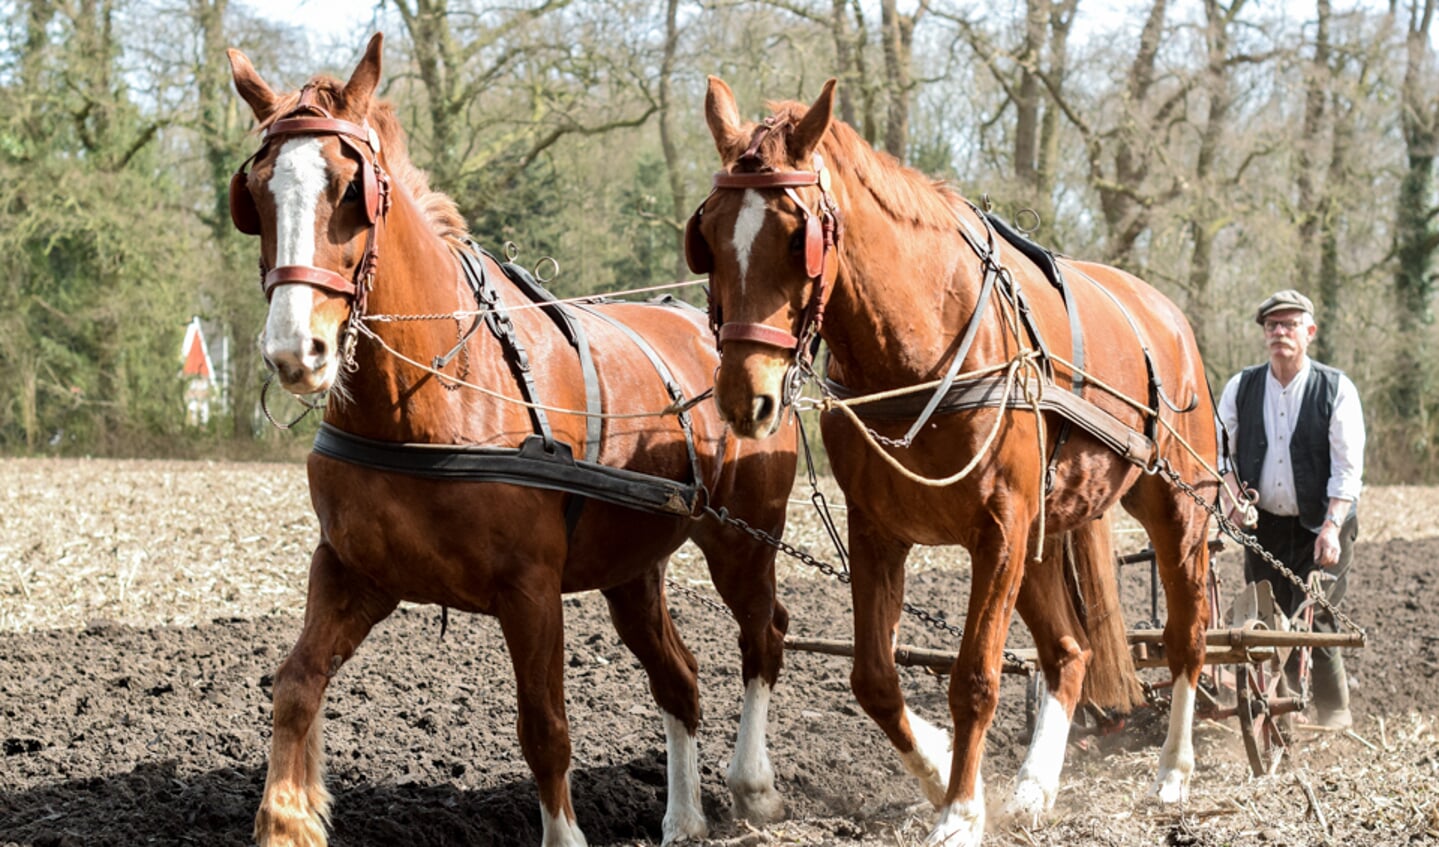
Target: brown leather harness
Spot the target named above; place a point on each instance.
(823, 230)
(360, 140)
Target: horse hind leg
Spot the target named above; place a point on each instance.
(877, 593)
(295, 806)
(743, 573)
(643, 622)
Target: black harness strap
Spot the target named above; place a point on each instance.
(574, 331)
(1044, 260)
(988, 393)
(500, 325)
(533, 464)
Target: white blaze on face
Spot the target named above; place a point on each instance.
(747, 225)
(299, 177)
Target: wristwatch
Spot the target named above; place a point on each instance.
(1330, 520)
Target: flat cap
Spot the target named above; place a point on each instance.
(1282, 300)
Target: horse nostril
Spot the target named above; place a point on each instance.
(319, 349)
(763, 407)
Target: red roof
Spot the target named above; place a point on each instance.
(197, 358)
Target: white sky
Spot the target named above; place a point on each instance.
(342, 24)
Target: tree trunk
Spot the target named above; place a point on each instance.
(1126, 217)
(1414, 239)
(1205, 220)
(1061, 21)
(674, 164)
(898, 33)
(844, 61)
(1027, 98)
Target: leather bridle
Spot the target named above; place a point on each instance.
(823, 232)
(309, 118)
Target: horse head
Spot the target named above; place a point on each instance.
(315, 193)
(767, 235)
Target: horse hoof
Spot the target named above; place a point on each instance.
(759, 806)
(1171, 788)
(1029, 802)
(959, 825)
(684, 828)
(278, 826)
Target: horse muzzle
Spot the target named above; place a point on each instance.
(750, 388)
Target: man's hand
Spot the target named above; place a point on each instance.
(1326, 546)
(1242, 511)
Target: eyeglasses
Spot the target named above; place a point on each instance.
(1271, 327)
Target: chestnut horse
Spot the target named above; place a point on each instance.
(808, 231)
(350, 230)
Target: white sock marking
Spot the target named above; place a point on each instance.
(1176, 760)
(751, 776)
(684, 815)
(930, 759)
(560, 831)
(1038, 780)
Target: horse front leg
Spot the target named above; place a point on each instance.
(532, 620)
(642, 619)
(743, 574)
(998, 569)
(340, 609)
(1177, 530)
(1059, 640)
(877, 590)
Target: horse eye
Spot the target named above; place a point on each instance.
(796, 242)
(352, 192)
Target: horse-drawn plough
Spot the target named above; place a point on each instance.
(1245, 657)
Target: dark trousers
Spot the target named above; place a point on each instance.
(1293, 545)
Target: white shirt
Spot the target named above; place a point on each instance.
(1281, 412)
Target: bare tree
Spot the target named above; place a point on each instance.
(1415, 238)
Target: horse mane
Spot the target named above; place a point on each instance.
(438, 208)
(902, 192)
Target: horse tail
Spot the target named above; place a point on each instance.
(1092, 576)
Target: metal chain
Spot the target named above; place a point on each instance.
(265, 405)
(1163, 466)
(934, 620)
(697, 596)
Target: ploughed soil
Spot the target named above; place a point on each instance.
(144, 607)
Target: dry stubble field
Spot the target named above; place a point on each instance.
(144, 605)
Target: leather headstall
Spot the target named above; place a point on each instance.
(360, 141)
(823, 230)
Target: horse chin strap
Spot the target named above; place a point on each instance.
(309, 118)
(823, 231)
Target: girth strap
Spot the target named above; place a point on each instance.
(666, 376)
(533, 464)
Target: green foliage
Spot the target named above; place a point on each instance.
(119, 129)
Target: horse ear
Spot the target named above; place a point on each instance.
(253, 90)
(722, 115)
(365, 79)
(813, 125)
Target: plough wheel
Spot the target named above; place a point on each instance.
(1266, 735)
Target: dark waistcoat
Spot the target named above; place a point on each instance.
(1308, 448)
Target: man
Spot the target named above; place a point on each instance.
(1296, 439)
